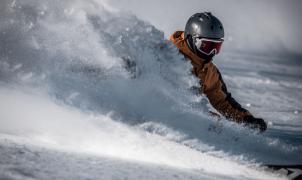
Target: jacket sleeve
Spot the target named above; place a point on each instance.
(218, 95)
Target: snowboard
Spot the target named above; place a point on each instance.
(293, 172)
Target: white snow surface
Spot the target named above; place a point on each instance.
(91, 92)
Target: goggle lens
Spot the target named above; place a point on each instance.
(208, 46)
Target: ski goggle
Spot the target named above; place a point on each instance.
(208, 46)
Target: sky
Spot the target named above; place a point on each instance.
(269, 26)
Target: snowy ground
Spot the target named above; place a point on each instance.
(88, 92)
(27, 162)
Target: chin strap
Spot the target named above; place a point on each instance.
(187, 39)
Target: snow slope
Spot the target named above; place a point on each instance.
(82, 81)
(73, 138)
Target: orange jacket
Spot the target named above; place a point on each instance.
(211, 82)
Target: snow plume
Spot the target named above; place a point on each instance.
(83, 77)
(93, 58)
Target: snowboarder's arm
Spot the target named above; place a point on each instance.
(223, 101)
(218, 95)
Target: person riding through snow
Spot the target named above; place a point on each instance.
(200, 42)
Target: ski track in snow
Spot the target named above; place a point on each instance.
(88, 92)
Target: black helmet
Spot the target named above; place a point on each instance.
(203, 30)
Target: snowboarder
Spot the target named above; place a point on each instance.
(200, 42)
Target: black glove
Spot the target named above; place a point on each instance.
(255, 123)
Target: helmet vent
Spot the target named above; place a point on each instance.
(212, 27)
(207, 14)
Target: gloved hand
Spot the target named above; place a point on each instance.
(255, 123)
